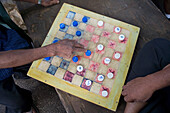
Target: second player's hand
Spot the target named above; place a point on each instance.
(139, 89)
(49, 2)
(65, 48)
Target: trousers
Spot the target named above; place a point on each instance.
(16, 99)
(153, 57)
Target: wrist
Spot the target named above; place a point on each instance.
(152, 82)
(50, 50)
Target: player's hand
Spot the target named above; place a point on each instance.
(49, 2)
(65, 48)
(139, 90)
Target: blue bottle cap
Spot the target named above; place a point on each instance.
(47, 58)
(75, 59)
(54, 41)
(62, 26)
(88, 53)
(78, 33)
(75, 23)
(84, 19)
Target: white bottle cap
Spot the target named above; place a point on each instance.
(100, 47)
(117, 29)
(100, 23)
(121, 37)
(104, 93)
(110, 75)
(100, 78)
(107, 60)
(79, 68)
(88, 82)
(117, 55)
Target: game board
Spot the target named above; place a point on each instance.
(98, 74)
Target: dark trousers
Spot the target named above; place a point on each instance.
(16, 99)
(153, 57)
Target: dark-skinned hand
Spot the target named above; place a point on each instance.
(65, 48)
(49, 2)
(138, 90)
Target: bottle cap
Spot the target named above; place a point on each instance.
(104, 93)
(100, 78)
(47, 58)
(121, 37)
(107, 60)
(88, 82)
(117, 29)
(110, 75)
(75, 59)
(100, 47)
(84, 19)
(117, 55)
(100, 23)
(75, 23)
(79, 68)
(78, 33)
(88, 53)
(62, 26)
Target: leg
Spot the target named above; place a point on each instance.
(16, 99)
(153, 57)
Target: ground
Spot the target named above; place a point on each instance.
(39, 19)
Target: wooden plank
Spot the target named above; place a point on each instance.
(142, 13)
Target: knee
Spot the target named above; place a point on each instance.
(158, 42)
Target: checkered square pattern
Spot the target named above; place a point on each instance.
(97, 75)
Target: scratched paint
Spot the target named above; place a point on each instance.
(90, 28)
(52, 70)
(68, 76)
(93, 66)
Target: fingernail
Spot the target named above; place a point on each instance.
(58, 1)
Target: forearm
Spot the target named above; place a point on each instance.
(160, 79)
(31, 1)
(15, 58)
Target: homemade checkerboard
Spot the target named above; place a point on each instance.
(98, 74)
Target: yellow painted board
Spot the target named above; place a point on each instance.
(112, 101)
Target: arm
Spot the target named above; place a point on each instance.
(43, 2)
(142, 88)
(161, 79)
(31, 1)
(15, 58)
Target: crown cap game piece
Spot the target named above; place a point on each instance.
(121, 37)
(88, 53)
(75, 59)
(107, 60)
(100, 47)
(110, 75)
(88, 82)
(78, 33)
(104, 93)
(79, 68)
(100, 23)
(47, 58)
(84, 19)
(62, 26)
(117, 55)
(117, 29)
(75, 23)
(100, 78)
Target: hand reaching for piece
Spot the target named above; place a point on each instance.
(65, 48)
(139, 90)
(49, 2)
